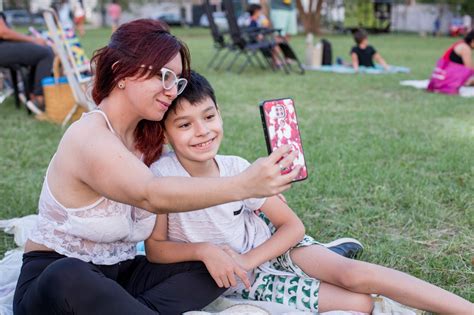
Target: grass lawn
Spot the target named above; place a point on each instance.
(389, 165)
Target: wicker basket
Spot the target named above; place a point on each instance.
(58, 97)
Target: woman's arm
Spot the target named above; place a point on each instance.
(220, 265)
(7, 33)
(355, 61)
(92, 162)
(290, 230)
(465, 52)
(378, 58)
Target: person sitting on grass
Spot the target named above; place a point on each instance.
(99, 197)
(232, 239)
(364, 54)
(24, 50)
(455, 68)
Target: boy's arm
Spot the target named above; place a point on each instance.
(355, 61)
(290, 230)
(220, 265)
(160, 250)
(378, 58)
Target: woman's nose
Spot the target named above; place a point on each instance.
(173, 92)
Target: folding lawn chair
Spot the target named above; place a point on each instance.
(220, 43)
(67, 49)
(246, 45)
(21, 83)
(291, 60)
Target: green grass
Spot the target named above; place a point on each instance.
(389, 165)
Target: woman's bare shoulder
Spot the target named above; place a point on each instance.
(462, 47)
(88, 129)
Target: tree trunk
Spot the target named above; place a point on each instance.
(317, 18)
(311, 18)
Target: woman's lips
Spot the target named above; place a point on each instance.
(163, 104)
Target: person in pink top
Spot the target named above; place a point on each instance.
(114, 11)
(455, 68)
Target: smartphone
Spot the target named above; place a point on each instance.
(280, 127)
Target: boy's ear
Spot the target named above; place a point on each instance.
(165, 138)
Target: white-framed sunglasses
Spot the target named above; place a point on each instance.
(169, 79)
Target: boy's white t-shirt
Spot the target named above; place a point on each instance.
(234, 224)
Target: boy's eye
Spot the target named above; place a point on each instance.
(210, 116)
(185, 125)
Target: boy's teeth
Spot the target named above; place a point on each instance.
(203, 144)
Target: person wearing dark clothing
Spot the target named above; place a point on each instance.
(364, 54)
(71, 285)
(455, 57)
(461, 51)
(20, 49)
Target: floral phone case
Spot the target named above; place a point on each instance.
(281, 127)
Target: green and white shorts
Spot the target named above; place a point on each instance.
(288, 284)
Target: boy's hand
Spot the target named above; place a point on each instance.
(223, 268)
(239, 258)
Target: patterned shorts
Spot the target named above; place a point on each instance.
(297, 290)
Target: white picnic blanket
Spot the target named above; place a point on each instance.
(10, 267)
(464, 91)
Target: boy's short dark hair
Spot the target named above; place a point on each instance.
(360, 35)
(469, 37)
(197, 90)
(254, 7)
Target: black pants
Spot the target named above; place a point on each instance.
(39, 58)
(51, 283)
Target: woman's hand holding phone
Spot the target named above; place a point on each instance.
(280, 127)
(264, 177)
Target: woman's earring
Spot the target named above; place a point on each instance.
(121, 85)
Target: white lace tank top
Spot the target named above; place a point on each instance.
(104, 233)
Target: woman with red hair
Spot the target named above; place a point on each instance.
(99, 197)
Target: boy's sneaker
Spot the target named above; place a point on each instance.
(347, 247)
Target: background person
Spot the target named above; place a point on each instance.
(79, 17)
(283, 17)
(17, 48)
(461, 51)
(65, 15)
(455, 68)
(364, 54)
(114, 11)
(99, 197)
(256, 17)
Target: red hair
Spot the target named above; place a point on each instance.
(140, 42)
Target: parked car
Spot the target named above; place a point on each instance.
(172, 19)
(20, 17)
(219, 18)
